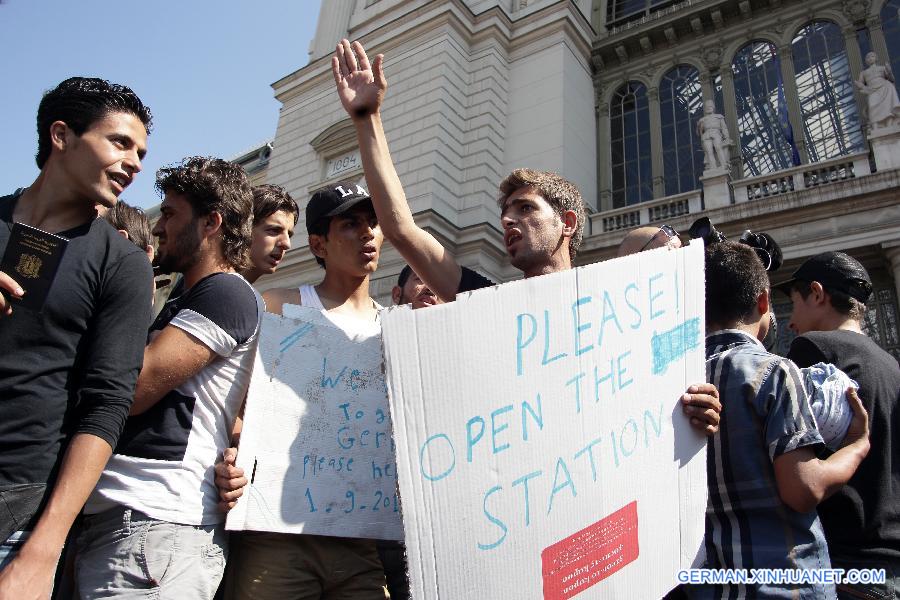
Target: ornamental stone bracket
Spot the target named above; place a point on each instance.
(856, 10)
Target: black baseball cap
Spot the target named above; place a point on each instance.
(333, 200)
(835, 271)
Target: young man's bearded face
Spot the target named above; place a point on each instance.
(532, 229)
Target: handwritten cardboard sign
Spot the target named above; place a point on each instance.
(541, 445)
(316, 442)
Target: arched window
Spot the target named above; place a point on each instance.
(629, 121)
(890, 25)
(830, 116)
(680, 105)
(761, 110)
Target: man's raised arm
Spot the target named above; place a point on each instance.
(361, 87)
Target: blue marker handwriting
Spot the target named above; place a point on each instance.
(294, 337)
(558, 484)
(593, 323)
(669, 346)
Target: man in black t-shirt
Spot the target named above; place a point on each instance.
(67, 372)
(861, 520)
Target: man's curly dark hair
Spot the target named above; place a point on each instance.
(80, 102)
(215, 185)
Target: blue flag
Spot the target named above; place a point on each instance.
(784, 120)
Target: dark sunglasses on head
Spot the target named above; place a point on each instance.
(666, 229)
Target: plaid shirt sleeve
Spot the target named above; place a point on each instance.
(789, 421)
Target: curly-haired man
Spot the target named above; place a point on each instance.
(152, 527)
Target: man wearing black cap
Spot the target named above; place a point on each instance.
(862, 520)
(345, 238)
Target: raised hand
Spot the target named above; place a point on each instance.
(360, 85)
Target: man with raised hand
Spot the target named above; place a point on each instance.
(152, 528)
(346, 240)
(542, 214)
(862, 519)
(67, 372)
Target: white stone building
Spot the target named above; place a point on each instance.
(607, 93)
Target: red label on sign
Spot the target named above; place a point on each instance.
(589, 556)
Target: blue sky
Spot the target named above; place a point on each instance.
(205, 69)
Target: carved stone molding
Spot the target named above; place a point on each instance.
(671, 36)
(718, 19)
(697, 25)
(856, 10)
(712, 56)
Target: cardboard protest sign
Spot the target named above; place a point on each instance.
(316, 442)
(541, 444)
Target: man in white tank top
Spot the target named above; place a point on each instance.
(346, 240)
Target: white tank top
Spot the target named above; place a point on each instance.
(350, 324)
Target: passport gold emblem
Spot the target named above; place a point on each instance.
(29, 266)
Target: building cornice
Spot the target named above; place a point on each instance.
(790, 211)
(706, 27)
(491, 27)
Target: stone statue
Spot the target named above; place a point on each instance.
(714, 136)
(877, 83)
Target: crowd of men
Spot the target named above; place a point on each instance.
(132, 433)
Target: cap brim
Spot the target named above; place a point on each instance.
(785, 286)
(345, 206)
